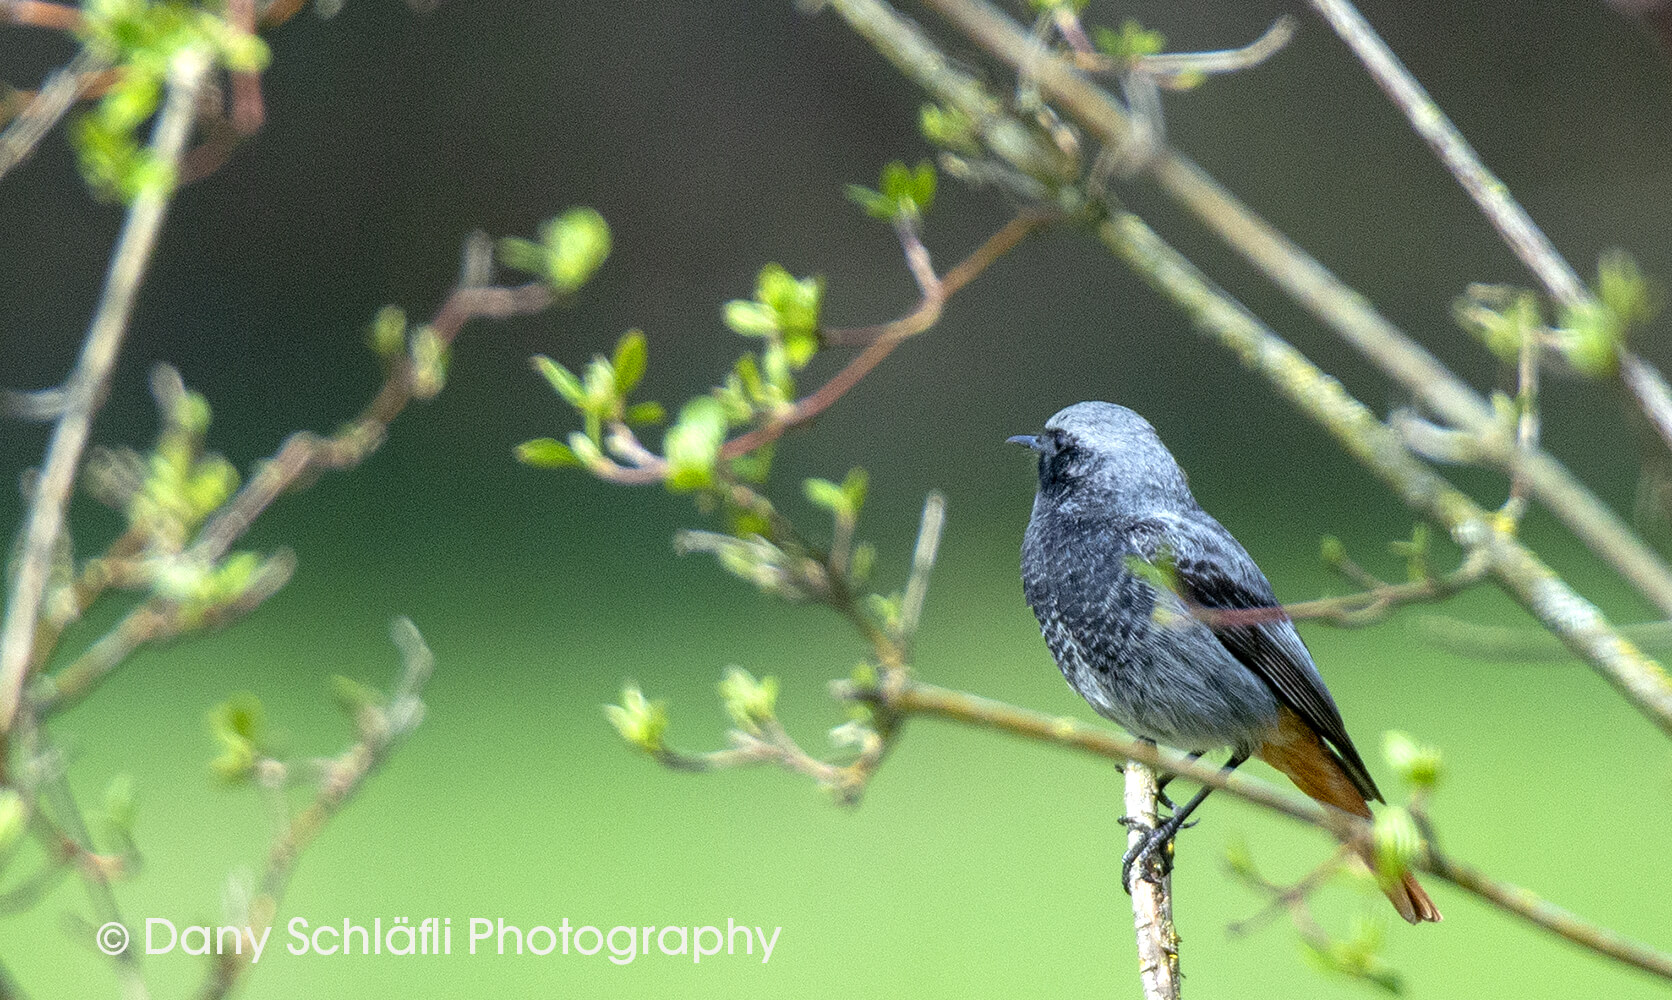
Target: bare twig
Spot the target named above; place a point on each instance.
(1654, 396)
(304, 453)
(1152, 892)
(1355, 610)
(1506, 215)
(41, 14)
(922, 562)
(1523, 644)
(87, 385)
(32, 124)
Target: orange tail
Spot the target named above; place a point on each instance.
(1298, 752)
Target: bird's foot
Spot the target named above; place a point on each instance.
(1157, 842)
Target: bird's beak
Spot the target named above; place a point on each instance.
(1025, 440)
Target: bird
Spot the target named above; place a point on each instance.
(1125, 571)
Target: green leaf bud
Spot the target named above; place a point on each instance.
(640, 722)
(546, 453)
(388, 331)
(632, 355)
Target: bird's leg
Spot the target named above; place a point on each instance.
(1163, 834)
(1161, 784)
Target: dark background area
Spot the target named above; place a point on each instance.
(715, 138)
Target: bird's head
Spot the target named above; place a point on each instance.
(1106, 458)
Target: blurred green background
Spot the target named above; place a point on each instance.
(716, 137)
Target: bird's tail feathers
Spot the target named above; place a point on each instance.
(1300, 754)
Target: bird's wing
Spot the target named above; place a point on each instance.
(1214, 571)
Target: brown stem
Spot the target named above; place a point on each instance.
(881, 340)
(41, 14)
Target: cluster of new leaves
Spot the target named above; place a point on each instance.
(784, 314)
(249, 751)
(1398, 841)
(1588, 336)
(140, 40)
(166, 495)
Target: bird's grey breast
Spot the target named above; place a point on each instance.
(1134, 651)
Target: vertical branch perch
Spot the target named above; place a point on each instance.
(1152, 892)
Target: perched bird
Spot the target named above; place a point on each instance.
(1157, 659)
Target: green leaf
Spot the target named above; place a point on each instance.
(353, 697)
(826, 494)
(632, 355)
(1624, 290)
(854, 488)
(212, 482)
(577, 242)
(753, 467)
(600, 383)
(692, 444)
(646, 413)
(749, 702)
(1397, 840)
(522, 255)
(1131, 43)
(546, 453)
(14, 818)
(388, 331)
(239, 724)
(639, 721)
(561, 379)
(923, 187)
(949, 128)
(749, 374)
(751, 319)
(1419, 765)
(876, 204)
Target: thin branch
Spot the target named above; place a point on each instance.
(1491, 195)
(305, 453)
(922, 562)
(915, 698)
(88, 384)
(344, 775)
(1152, 892)
(1581, 626)
(1355, 610)
(1520, 644)
(154, 621)
(55, 97)
(1286, 897)
(1506, 215)
(881, 340)
(1654, 396)
(41, 14)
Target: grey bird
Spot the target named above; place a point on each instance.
(1159, 660)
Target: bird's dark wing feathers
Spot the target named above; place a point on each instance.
(1215, 571)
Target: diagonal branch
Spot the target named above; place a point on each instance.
(88, 384)
(1512, 222)
(916, 698)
